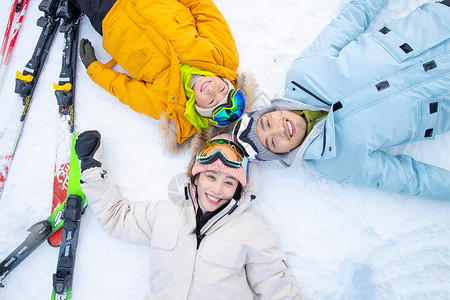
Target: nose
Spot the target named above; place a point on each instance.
(217, 189)
(211, 87)
(277, 130)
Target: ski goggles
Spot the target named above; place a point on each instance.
(230, 153)
(230, 111)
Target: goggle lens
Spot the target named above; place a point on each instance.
(231, 111)
(228, 151)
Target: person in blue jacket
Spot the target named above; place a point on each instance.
(353, 93)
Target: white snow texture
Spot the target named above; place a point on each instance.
(341, 241)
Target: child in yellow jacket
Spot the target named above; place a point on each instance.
(182, 58)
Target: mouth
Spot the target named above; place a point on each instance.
(213, 200)
(204, 85)
(290, 128)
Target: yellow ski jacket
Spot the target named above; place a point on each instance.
(149, 39)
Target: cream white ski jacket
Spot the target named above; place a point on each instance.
(238, 257)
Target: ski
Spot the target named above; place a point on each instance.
(75, 206)
(42, 230)
(26, 83)
(64, 91)
(39, 232)
(62, 279)
(20, 7)
(8, 30)
(62, 227)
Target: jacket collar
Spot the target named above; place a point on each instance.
(231, 210)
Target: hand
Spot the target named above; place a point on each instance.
(88, 147)
(87, 53)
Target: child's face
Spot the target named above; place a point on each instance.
(215, 189)
(209, 91)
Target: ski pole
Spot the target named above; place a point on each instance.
(8, 30)
(7, 57)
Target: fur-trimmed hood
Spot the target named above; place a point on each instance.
(168, 129)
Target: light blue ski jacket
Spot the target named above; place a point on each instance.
(382, 88)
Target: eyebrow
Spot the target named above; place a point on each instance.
(267, 145)
(262, 123)
(231, 177)
(264, 129)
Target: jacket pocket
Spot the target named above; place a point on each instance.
(405, 38)
(223, 253)
(164, 241)
(184, 16)
(164, 236)
(395, 44)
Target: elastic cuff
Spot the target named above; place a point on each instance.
(94, 67)
(89, 163)
(92, 175)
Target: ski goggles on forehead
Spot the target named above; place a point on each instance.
(230, 111)
(230, 153)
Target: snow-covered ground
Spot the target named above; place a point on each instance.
(342, 241)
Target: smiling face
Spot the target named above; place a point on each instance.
(281, 131)
(215, 189)
(209, 91)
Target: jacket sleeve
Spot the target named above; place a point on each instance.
(128, 221)
(212, 26)
(353, 20)
(266, 268)
(403, 174)
(132, 92)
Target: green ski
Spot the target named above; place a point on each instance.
(75, 205)
(41, 230)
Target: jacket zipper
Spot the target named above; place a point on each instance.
(215, 222)
(316, 118)
(324, 140)
(309, 93)
(324, 102)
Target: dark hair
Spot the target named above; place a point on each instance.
(237, 195)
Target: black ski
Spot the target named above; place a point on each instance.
(65, 95)
(39, 232)
(62, 279)
(63, 225)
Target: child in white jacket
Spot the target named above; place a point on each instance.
(204, 244)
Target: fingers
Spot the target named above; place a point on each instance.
(82, 51)
(87, 53)
(83, 43)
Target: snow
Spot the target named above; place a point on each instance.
(341, 241)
